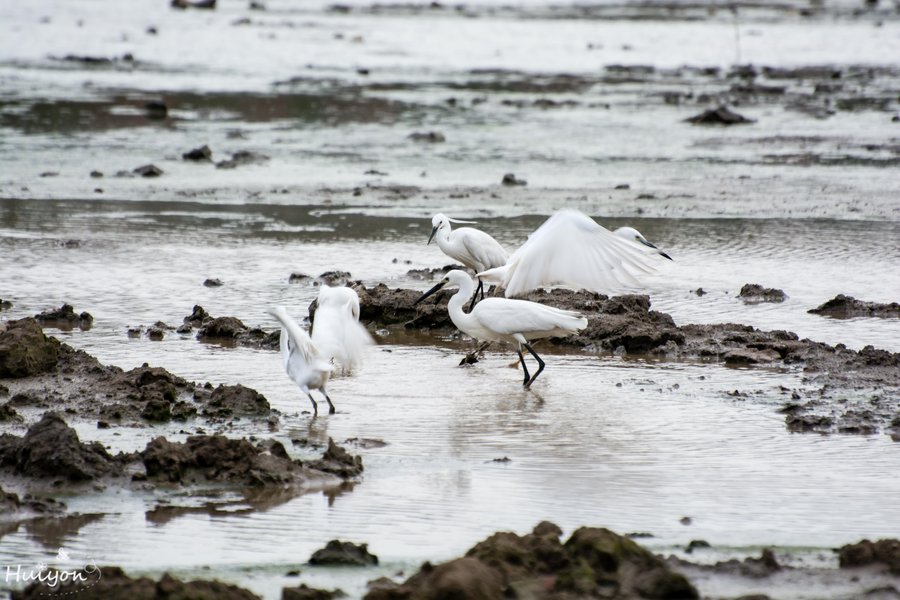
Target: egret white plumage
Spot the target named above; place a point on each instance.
(507, 320)
(572, 250)
(472, 247)
(302, 360)
(336, 330)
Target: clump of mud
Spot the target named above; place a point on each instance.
(337, 552)
(104, 583)
(593, 562)
(846, 307)
(752, 293)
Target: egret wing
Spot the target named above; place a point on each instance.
(571, 249)
(485, 250)
(508, 317)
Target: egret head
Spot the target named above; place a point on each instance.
(632, 234)
(456, 277)
(438, 222)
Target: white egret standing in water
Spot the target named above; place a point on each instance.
(506, 320)
(302, 360)
(472, 247)
(572, 250)
(336, 330)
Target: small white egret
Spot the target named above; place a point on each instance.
(506, 320)
(472, 247)
(302, 360)
(336, 330)
(572, 250)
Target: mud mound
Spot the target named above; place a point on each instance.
(106, 583)
(884, 552)
(338, 461)
(337, 552)
(51, 449)
(236, 400)
(216, 458)
(395, 307)
(753, 293)
(846, 307)
(593, 562)
(65, 317)
(25, 350)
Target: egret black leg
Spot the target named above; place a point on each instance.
(524, 368)
(540, 365)
(331, 410)
(315, 406)
(475, 295)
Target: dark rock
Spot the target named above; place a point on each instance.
(111, 583)
(204, 458)
(303, 592)
(510, 179)
(213, 282)
(432, 137)
(222, 327)
(156, 109)
(65, 317)
(51, 448)
(25, 350)
(336, 552)
(885, 552)
(694, 544)
(749, 356)
(719, 116)
(537, 565)
(198, 317)
(754, 293)
(756, 568)
(202, 4)
(334, 278)
(338, 461)
(845, 307)
(298, 278)
(241, 158)
(203, 153)
(236, 400)
(8, 413)
(157, 409)
(148, 171)
(96, 174)
(5, 304)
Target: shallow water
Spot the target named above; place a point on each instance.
(797, 202)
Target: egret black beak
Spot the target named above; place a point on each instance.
(646, 243)
(431, 237)
(437, 287)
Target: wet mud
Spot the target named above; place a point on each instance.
(848, 307)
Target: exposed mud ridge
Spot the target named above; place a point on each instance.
(51, 450)
(846, 307)
(203, 459)
(39, 371)
(108, 583)
(860, 390)
(226, 330)
(592, 563)
(883, 552)
(337, 552)
(754, 293)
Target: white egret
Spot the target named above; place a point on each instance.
(472, 247)
(506, 320)
(336, 330)
(302, 360)
(572, 250)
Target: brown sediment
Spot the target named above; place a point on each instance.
(845, 307)
(538, 565)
